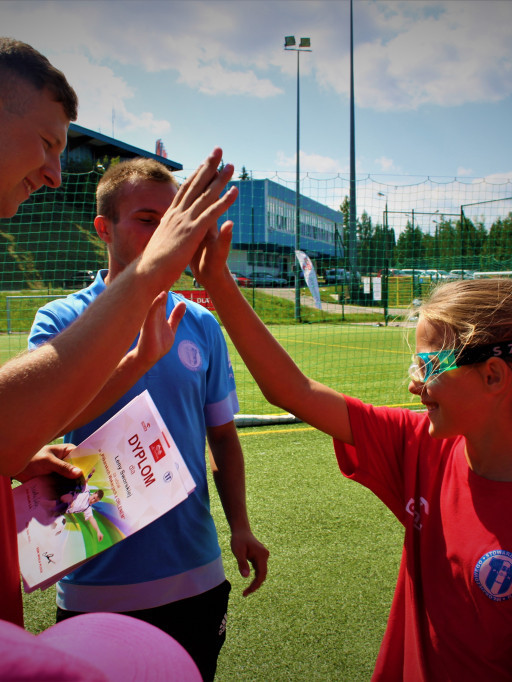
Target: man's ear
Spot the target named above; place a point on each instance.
(103, 228)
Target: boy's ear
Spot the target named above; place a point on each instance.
(102, 226)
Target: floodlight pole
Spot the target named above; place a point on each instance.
(289, 44)
(354, 293)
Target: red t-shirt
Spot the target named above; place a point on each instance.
(451, 617)
(11, 606)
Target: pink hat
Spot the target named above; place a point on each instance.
(94, 647)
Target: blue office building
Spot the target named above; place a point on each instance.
(264, 218)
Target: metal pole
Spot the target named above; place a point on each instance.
(415, 287)
(352, 212)
(289, 43)
(252, 244)
(386, 266)
(297, 200)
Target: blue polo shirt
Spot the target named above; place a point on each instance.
(193, 386)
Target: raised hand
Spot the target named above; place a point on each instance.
(209, 263)
(194, 212)
(158, 333)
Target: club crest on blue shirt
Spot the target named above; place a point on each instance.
(190, 355)
(493, 574)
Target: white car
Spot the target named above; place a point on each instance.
(440, 274)
(462, 274)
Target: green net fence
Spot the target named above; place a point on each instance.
(354, 332)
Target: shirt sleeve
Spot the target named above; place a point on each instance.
(47, 324)
(221, 399)
(387, 443)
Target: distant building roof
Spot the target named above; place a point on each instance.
(102, 145)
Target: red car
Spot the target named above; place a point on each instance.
(241, 280)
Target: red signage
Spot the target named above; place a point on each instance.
(198, 296)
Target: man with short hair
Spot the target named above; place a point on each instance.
(41, 391)
(169, 573)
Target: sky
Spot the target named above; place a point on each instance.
(433, 80)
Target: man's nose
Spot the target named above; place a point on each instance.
(52, 172)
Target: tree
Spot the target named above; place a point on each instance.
(383, 247)
(244, 175)
(364, 238)
(345, 210)
(409, 249)
(498, 248)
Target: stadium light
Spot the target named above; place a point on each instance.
(304, 46)
(352, 219)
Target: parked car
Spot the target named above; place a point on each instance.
(339, 275)
(242, 280)
(393, 272)
(420, 276)
(290, 278)
(267, 279)
(79, 279)
(440, 274)
(459, 274)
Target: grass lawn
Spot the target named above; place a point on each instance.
(365, 361)
(334, 559)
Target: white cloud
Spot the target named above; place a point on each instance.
(407, 54)
(309, 163)
(499, 178)
(442, 53)
(216, 79)
(104, 98)
(386, 165)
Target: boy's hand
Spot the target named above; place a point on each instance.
(158, 333)
(248, 550)
(50, 460)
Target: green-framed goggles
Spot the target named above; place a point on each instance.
(426, 365)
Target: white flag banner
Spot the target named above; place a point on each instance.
(310, 276)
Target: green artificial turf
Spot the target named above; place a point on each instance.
(334, 553)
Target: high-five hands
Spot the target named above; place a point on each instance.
(193, 213)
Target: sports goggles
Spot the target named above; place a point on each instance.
(426, 365)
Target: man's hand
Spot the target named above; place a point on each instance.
(50, 460)
(158, 333)
(248, 550)
(193, 213)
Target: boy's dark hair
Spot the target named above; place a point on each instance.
(19, 60)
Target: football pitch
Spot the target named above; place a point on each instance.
(334, 554)
(366, 361)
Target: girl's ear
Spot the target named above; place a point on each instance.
(102, 226)
(497, 375)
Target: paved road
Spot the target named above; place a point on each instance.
(333, 307)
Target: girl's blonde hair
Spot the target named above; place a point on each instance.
(475, 311)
